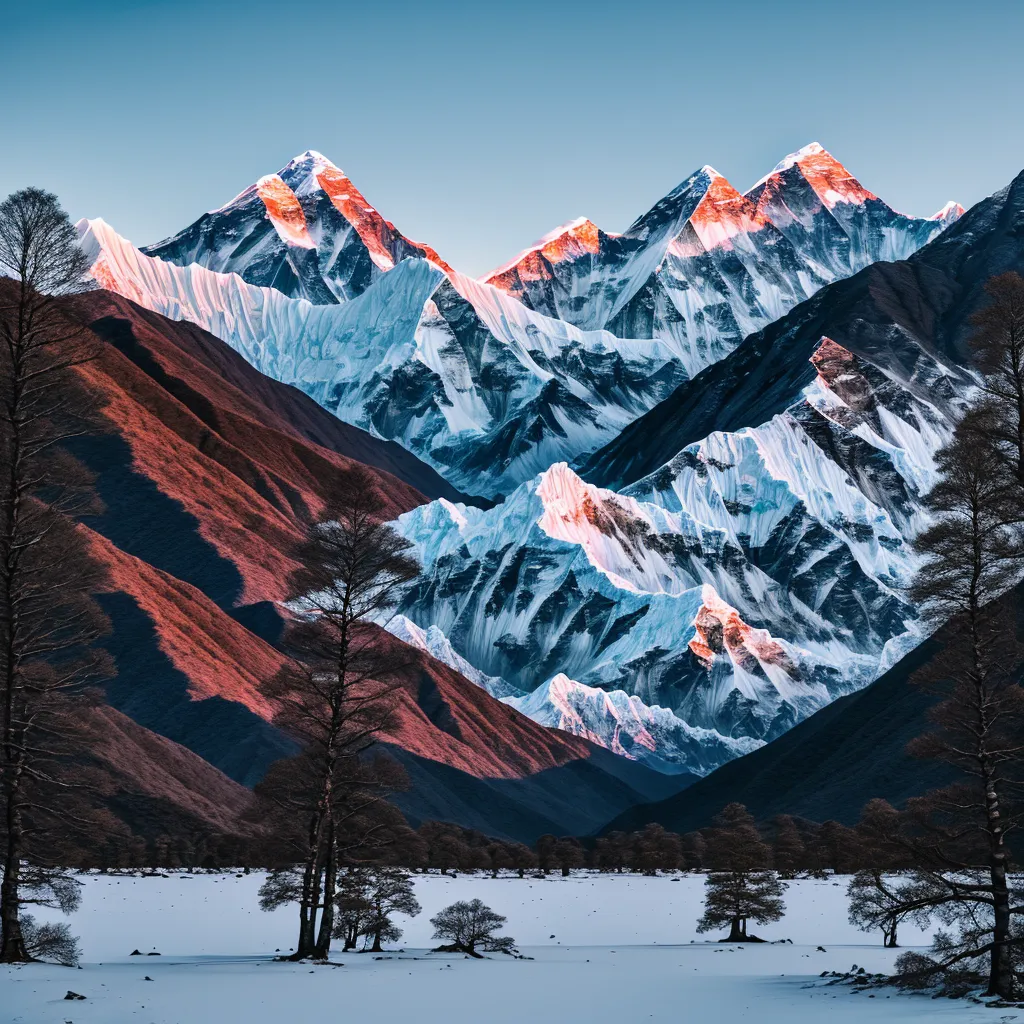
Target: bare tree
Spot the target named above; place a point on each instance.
(354, 907)
(972, 555)
(48, 619)
(337, 696)
(468, 925)
(881, 901)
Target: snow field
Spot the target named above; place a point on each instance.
(617, 948)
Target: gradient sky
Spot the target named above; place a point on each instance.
(478, 127)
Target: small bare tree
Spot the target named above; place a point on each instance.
(881, 901)
(48, 618)
(469, 925)
(336, 697)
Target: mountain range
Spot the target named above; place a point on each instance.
(662, 483)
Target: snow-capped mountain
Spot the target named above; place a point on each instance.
(706, 266)
(833, 221)
(743, 585)
(305, 278)
(467, 378)
(626, 726)
(306, 231)
(613, 719)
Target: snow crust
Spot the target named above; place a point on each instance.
(604, 947)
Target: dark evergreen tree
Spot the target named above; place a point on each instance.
(740, 887)
(469, 925)
(654, 848)
(789, 854)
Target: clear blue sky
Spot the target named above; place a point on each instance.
(477, 127)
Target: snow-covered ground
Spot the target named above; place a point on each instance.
(605, 948)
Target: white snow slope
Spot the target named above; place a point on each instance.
(744, 585)
(604, 948)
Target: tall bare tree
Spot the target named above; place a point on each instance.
(956, 835)
(336, 697)
(48, 619)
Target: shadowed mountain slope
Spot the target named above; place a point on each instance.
(208, 472)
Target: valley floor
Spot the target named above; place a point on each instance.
(605, 948)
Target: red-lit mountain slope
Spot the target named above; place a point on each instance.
(207, 473)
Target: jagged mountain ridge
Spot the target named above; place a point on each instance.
(853, 391)
(706, 266)
(489, 391)
(748, 582)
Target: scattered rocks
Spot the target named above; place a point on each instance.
(74, 995)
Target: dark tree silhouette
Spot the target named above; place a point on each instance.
(568, 854)
(48, 619)
(740, 887)
(880, 901)
(998, 345)
(337, 696)
(614, 852)
(788, 851)
(389, 892)
(469, 925)
(957, 834)
(353, 906)
(656, 848)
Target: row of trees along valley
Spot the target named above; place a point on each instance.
(323, 816)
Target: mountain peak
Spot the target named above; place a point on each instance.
(811, 150)
(830, 180)
(570, 239)
(950, 212)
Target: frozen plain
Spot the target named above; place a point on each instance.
(619, 948)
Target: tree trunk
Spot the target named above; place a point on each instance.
(889, 935)
(1001, 981)
(376, 947)
(323, 941)
(735, 933)
(12, 950)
